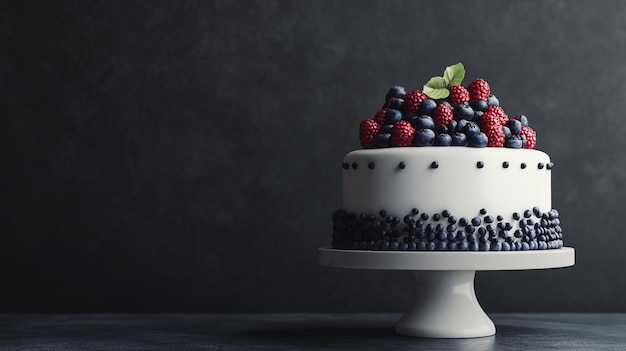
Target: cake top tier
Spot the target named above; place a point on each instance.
(445, 113)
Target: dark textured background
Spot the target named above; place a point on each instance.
(185, 156)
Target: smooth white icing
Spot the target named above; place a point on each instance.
(457, 185)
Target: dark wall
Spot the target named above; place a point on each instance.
(185, 156)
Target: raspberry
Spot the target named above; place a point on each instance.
(402, 134)
(413, 100)
(531, 137)
(478, 90)
(368, 130)
(499, 112)
(442, 115)
(490, 125)
(458, 95)
(380, 116)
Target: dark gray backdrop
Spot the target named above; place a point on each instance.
(185, 156)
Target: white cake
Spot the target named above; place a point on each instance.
(446, 169)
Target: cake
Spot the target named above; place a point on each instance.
(446, 169)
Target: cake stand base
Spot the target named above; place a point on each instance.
(445, 303)
(445, 306)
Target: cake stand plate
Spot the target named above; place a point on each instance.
(445, 304)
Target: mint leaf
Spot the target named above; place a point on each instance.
(436, 88)
(454, 74)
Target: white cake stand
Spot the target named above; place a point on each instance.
(445, 305)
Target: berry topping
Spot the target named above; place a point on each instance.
(458, 95)
(402, 134)
(478, 90)
(413, 101)
(531, 137)
(368, 130)
(379, 117)
(395, 91)
(442, 115)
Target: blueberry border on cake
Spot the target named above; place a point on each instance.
(442, 231)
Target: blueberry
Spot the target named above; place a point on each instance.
(480, 164)
(499, 217)
(525, 246)
(495, 246)
(503, 234)
(477, 115)
(514, 126)
(386, 128)
(412, 246)
(383, 213)
(480, 105)
(421, 245)
(451, 219)
(394, 245)
(452, 246)
(403, 246)
(473, 246)
(422, 122)
(460, 235)
(523, 165)
(523, 141)
(424, 137)
(415, 211)
(458, 139)
(392, 116)
(513, 142)
(462, 246)
(463, 221)
(436, 217)
(424, 216)
(463, 111)
(434, 164)
(442, 130)
(516, 216)
(451, 227)
(483, 247)
(470, 228)
(476, 221)
(470, 128)
(395, 91)
(477, 140)
(522, 119)
(452, 126)
(506, 131)
(445, 213)
(527, 214)
(442, 246)
(460, 125)
(488, 219)
(441, 236)
(371, 165)
(382, 140)
(439, 227)
(506, 246)
(471, 238)
(493, 100)
(483, 211)
(402, 165)
(395, 103)
(451, 236)
(427, 107)
(442, 139)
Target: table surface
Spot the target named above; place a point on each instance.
(298, 331)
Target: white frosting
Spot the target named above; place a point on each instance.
(457, 184)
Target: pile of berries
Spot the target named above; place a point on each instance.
(468, 116)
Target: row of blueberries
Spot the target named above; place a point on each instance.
(537, 230)
(435, 164)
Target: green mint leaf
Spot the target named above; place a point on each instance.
(454, 74)
(436, 88)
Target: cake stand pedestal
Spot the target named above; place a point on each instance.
(445, 304)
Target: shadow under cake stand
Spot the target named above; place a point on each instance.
(445, 304)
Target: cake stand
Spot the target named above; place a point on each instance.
(445, 304)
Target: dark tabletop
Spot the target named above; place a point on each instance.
(297, 331)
